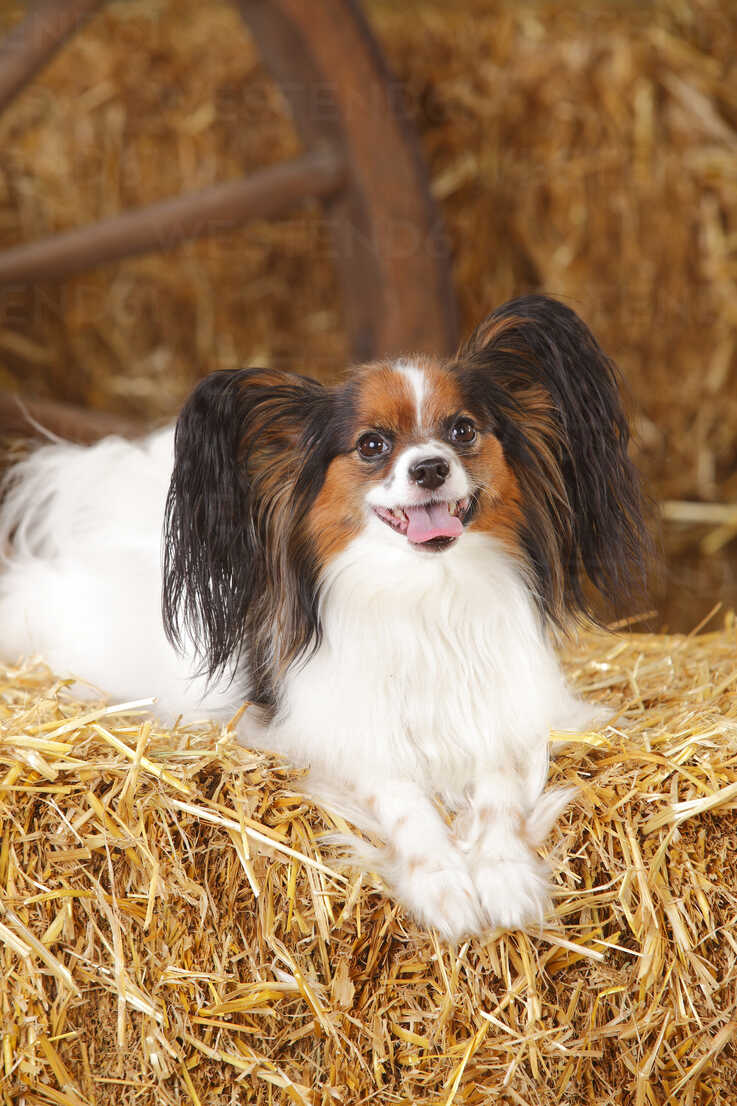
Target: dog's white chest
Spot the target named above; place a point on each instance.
(431, 664)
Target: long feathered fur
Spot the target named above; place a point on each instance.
(542, 379)
(251, 448)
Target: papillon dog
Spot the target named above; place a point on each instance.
(381, 568)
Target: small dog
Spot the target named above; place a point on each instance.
(380, 566)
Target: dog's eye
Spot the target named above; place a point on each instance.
(463, 431)
(372, 445)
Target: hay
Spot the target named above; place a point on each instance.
(173, 931)
(588, 150)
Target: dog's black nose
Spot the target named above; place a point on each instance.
(430, 472)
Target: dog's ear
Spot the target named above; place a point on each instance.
(248, 461)
(538, 374)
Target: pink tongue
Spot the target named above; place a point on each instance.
(432, 520)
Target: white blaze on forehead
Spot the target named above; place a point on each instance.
(415, 377)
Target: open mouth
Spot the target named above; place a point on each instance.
(433, 525)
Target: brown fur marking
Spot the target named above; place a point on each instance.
(337, 514)
(486, 333)
(500, 510)
(442, 396)
(386, 400)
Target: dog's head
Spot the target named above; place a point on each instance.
(521, 436)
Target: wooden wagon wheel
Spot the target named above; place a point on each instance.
(361, 161)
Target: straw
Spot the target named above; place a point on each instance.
(162, 949)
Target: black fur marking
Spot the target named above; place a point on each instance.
(583, 506)
(251, 452)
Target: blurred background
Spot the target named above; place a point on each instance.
(586, 150)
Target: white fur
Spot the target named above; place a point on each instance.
(434, 675)
(398, 490)
(81, 583)
(415, 376)
(435, 678)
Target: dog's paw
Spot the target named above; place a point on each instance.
(441, 898)
(514, 893)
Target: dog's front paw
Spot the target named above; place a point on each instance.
(514, 893)
(442, 898)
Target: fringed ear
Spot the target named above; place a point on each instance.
(539, 376)
(247, 464)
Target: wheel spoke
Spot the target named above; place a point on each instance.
(162, 225)
(390, 248)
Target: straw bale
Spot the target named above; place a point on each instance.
(173, 928)
(587, 150)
